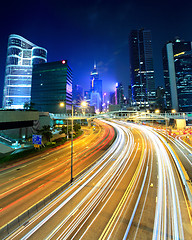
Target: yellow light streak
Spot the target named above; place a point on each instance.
(123, 199)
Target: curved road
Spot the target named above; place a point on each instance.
(21, 186)
(133, 192)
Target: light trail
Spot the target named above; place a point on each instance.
(166, 185)
(106, 176)
(116, 144)
(107, 135)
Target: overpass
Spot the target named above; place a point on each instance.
(144, 116)
(126, 114)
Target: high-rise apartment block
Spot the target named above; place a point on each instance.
(52, 85)
(177, 65)
(141, 67)
(21, 55)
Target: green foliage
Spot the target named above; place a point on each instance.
(46, 132)
(28, 106)
(76, 127)
(64, 130)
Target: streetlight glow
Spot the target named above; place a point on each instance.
(61, 104)
(84, 104)
(157, 111)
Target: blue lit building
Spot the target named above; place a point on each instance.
(96, 90)
(21, 55)
(119, 94)
(51, 85)
(78, 94)
(141, 69)
(177, 66)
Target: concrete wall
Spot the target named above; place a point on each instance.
(16, 116)
(5, 149)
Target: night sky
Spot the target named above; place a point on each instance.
(94, 30)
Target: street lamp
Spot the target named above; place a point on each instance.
(62, 104)
(71, 143)
(83, 105)
(173, 111)
(157, 111)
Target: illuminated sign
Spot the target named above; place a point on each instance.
(69, 88)
(37, 139)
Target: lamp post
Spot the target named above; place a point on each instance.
(83, 105)
(62, 105)
(71, 143)
(166, 125)
(157, 111)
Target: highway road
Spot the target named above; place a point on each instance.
(26, 183)
(134, 191)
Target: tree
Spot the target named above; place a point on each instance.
(46, 132)
(28, 106)
(76, 127)
(64, 129)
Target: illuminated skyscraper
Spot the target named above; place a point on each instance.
(119, 94)
(52, 85)
(141, 67)
(78, 94)
(96, 90)
(21, 55)
(177, 65)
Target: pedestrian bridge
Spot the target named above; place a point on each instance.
(129, 115)
(69, 117)
(144, 116)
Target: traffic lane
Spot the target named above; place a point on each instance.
(42, 190)
(52, 171)
(183, 151)
(176, 195)
(32, 170)
(102, 161)
(87, 225)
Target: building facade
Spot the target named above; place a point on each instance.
(96, 90)
(119, 94)
(141, 68)
(21, 55)
(177, 74)
(52, 85)
(78, 94)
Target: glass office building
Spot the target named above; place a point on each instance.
(51, 85)
(21, 55)
(183, 69)
(177, 74)
(141, 68)
(96, 90)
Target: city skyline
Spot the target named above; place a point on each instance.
(84, 32)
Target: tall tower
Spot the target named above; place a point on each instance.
(177, 68)
(96, 90)
(119, 94)
(52, 85)
(21, 55)
(141, 68)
